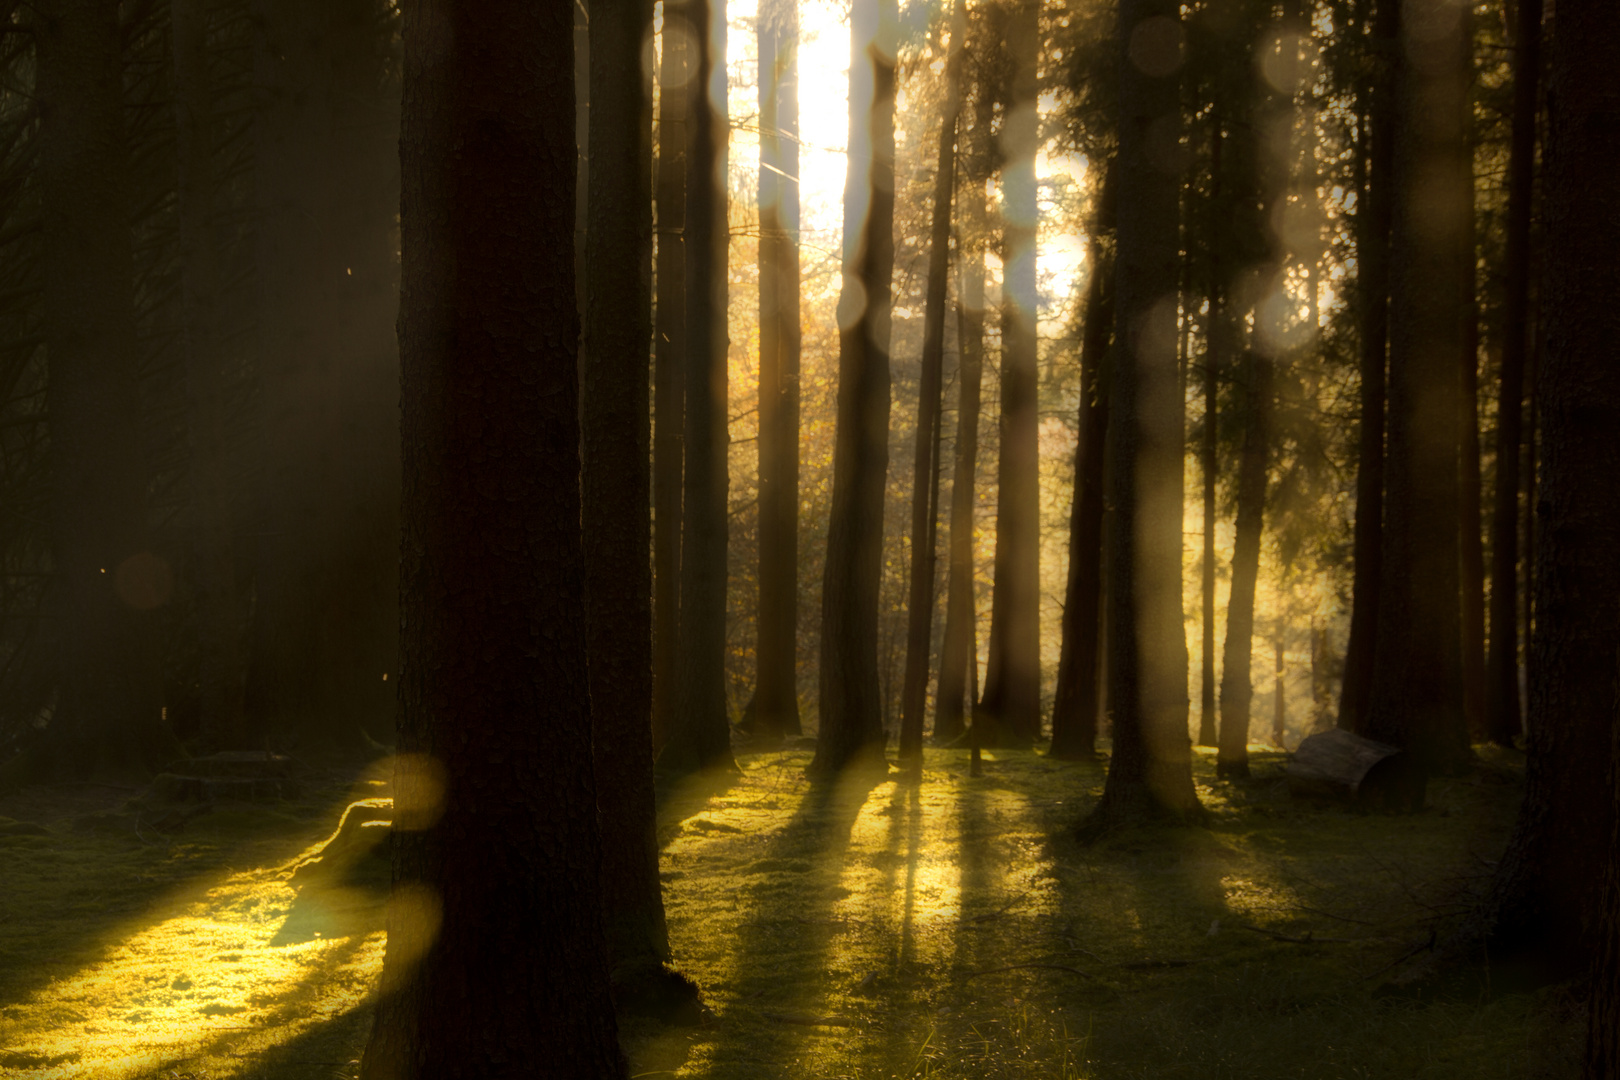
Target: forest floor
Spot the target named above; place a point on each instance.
(947, 928)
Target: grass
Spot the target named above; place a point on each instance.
(945, 929)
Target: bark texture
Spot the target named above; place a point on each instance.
(1011, 706)
(1502, 719)
(1150, 773)
(700, 737)
(669, 348)
(1237, 660)
(1416, 695)
(850, 700)
(107, 719)
(1544, 904)
(776, 697)
(614, 489)
(925, 458)
(496, 966)
(1372, 286)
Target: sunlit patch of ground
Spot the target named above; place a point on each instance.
(181, 966)
(870, 929)
(953, 928)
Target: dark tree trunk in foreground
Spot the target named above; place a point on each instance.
(1470, 545)
(1150, 773)
(1502, 721)
(1416, 695)
(219, 652)
(956, 651)
(1011, 706)
(1372, 286)
(614, 490)
(776, 697)
(496, 964)
(700, 737)
(851, 704)
(669, 349)
(925, 467)
(1074, 709)
(107, 719)
(1544, 897)
(1237, 659)
(1603, 1029)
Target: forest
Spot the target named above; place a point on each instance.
(829, 538)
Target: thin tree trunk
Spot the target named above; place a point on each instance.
(1279, 705)
(1208, 463)
(1074, 709)
(1545, 897)
(1012, 679)
(851, 705)
(1416, 698)
(1237, 687)
(1372, 257)
(219, 651)
(1150, 773)
(776, 698)
(614, 490)
(669, 348)
(701, 735)
(925, 468)
(1470, 544)
(1502, 720)
(106, 581)
(494, 956)
(957, 650)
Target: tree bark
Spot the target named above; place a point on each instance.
(1372, 257)
(1544, 903)
(1075, 707)
(851, 707)
(1603, 1027)
(956, 653)
(219, 651)
(1208, 465)
(614, 491)
(1470, 546)
(925, 464)
(701, 736)
(776, 697)
(1237, 687)
(496, 964)
(1502, 720)
(106, 581)
(1011, 706)
(1416, 695)
(1150, 773)
(669, 347)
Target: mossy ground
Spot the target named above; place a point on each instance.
(947, 928)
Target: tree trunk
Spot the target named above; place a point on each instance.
(700, 738)
(1502, 720)
(1279, 709)
(1208, 464)
(1237, 687)
(1603, 1028)
(957, 653)
(614, 490)
(1150, 773)
(106, 581)
(1372, 256)
(1416, 697)
(669, 347)
(1074, 709)
(218, 619)
(925, 467)
(850, 701)
(1545, 895)
(496, 963)
(776, 697)
(1011, 705)
(1470, 546)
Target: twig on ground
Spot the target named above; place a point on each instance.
(804, 1020)
(1310, 937)
(1019, 899)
